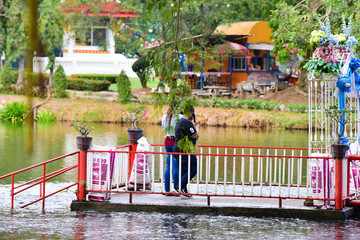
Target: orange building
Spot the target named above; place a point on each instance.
(255, 63)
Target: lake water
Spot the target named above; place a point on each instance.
(19, 149)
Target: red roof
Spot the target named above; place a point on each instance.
(110, 9)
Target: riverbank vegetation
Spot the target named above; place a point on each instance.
(68, 109)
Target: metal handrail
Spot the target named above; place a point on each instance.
(39, 164)
(40, 180)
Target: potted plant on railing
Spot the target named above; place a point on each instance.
(341, 117)
(135, 114)
(83, 142)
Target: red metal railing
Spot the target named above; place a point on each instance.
(286, 161)
(261, 170)
(39, 180)
(353, 174)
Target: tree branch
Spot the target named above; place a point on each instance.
(36, 106)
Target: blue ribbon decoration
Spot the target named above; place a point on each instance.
(341, 106)
(344, 82)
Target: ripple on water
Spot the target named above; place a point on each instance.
(58, 222)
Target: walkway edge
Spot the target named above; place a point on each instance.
(313, 214)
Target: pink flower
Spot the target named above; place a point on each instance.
(144, 113)
(70, 125)
(131, 116)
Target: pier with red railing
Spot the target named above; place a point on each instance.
(236, 180)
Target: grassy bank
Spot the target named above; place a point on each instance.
(112, 112)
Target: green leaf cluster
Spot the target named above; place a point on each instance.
(45, 117)
(320, 67)
(186, 146)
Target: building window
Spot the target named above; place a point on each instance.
(91, 36)
(255, 64)
(239, 63)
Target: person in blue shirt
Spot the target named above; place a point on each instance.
(168, 124)
(185, 129)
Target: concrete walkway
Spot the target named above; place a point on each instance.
(257, 207)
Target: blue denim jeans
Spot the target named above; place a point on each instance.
(184, 170)
(175, 168)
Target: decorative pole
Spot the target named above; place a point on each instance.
(132, 149)
(339, 201)
(81, 196)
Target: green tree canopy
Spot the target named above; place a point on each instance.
(51, 31)
(292, 26)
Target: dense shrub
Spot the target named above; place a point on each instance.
(60, 83)
(124, 87)
(107, 77)
(7, 78)
(139, 66)
(88, 85)
(13, 112)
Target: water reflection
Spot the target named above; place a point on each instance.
(60, 223)
(50, 141)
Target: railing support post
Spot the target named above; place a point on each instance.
(132, 149)
(82, 175)
(339, 183)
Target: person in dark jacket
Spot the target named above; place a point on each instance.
(185, 129)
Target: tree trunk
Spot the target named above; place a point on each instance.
(20, 81)
(302, 80)
(143, 80)
(51, 84)
(303, 72)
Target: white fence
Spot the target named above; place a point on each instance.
(88, 64)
